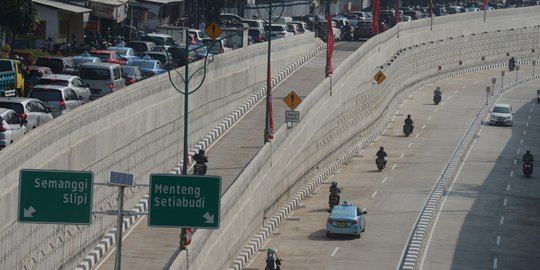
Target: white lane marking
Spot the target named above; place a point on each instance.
(334, 253)
(429, 118)
(511, 173)
(524, 132)
(436, 110)
(508, 187)
(519, 150)
(515, 161)
(393, 118)
(388, 126)
(498, 240)
(505, 202)
(521, 141)
(424, 126)
(402, 154)
(463, 87)
(532, 110)
(393, 167)
(495, 263)
(455, 92)
(374, 193)
(526, 124)
(417, 134)
(529, 117)
(384, 180)
(502, 220)
(409, 146)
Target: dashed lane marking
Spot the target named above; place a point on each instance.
(393, 167)
(502, 220)
(402, 154)
(334, 252)
(374, 193)
(385, 178)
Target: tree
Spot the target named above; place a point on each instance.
(20, 17)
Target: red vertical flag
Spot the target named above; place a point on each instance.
(431, 8)
(484, 3)
(330, 46)
(375, 11)
(396, 12)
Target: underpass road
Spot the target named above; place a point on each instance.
(490, 217)
(393, 197)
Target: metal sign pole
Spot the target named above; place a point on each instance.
(119, 218)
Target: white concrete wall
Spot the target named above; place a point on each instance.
(139, 130)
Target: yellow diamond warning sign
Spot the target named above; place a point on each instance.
(379, 77)
(213, 30)
(292, 100)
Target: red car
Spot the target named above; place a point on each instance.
(108, 56)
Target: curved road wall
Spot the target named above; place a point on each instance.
(138, 130)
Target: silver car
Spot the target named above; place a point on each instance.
(33, 110)
(73, 82)
(11, 127)
(59, 99)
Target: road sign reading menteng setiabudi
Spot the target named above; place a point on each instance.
(61, 197)
(184, 201)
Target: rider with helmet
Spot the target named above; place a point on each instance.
(437, 91)
(334, 191)
(408, 121)
(272, 261)
(382, 154)
(200, 158)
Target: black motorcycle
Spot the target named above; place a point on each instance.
(527, 168)
(437, 98)
(380, 163)
(407, 129)
(199, 169)
(333, 200)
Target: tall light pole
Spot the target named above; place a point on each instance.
(269, 123)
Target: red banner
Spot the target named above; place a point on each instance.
(484, 4)
(375, 11)
(431, 8)
(330, 46)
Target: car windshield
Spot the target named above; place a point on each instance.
(17, 107)
(95, 74)
(144, 64)
(5, 66)
(121, 51)
(53, 82)
(128, 71)
(501, 110)
(46, 94)
(102, 56)
(343, 212)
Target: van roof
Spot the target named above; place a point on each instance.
(99, 65)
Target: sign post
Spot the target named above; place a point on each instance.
(493, 81)
(182, 201)
(51, 196)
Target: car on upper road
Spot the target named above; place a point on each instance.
(362, 15)
(364, 29)
(31, 109)
(455, 9)
(148, 66)
(12, 127)
(217, 46)
(201, 52)
(165, 58)
(258, 35)
(126, 53)
(346, 219)
(74, 82)
(141, 46)
(501, 114)
(108, 56)
(131, 74)
(159, 39)
(59, 99)
(59, 65)
(85, 57)
(254, 23)
(102, 78)
(278, 31)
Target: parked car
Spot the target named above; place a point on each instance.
(178, 55)
(108, 56)
(196, 35)
(85, 57)
(12, 127)
(33, 110)
(455, 9)
(254, 23)
(278, 31)
(158, 39)
(148, 66)
(201, 52)
(59, 65)
(302, 26)
(131, 74)
(74, 82)
(166, 59)
(363, 15)
(346, 219)
(335, 29)
(102, 78)
(501, 114)
(59, 99)
(363, 29)
(415, 14)
(141, 46)
(126, 53)
(439, 11)
(472, 9)
(258, 35)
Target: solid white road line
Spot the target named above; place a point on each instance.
(512, 173)
(526, 124)
(532, 110)
(384, 180)
(502, 220)
(374, 193)
(393, 167)
(334, 253)
(508, 187)
(495, 263)
(455, 92)
(529, 117)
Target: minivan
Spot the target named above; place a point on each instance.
(141, 46)
(58, 99)
(103, 78)
(58, 65)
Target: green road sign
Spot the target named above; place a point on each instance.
(184, 201)
(63, 197)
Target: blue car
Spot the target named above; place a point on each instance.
(127, 53)
(346, 219)
(148, 66)
(201, 52)
(85, 58)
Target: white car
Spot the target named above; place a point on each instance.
(33, 110)
(501, 114)
(73, 82)
(59, 99)
(11, 127)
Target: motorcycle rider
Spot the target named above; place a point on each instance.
(200, 158)
(437, 91)
(528, 157)
(511, 64)
(272, 261)
(334, 191)
(408, 121)
(382, 154)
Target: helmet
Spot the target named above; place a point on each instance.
(408, 116)
(334, 183)
(201, 151)
(528, 152)
(438, 88)
(381, 148)
(270, 251)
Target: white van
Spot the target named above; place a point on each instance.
(103, 78)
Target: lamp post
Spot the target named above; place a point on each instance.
(269, 123)
(493, 81)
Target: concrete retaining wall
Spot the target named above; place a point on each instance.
(408, 55)
(138, 130)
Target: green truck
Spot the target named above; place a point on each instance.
(11, 78)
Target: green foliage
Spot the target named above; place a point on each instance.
(18, 16)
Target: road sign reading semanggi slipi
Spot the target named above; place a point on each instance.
(184, 201)
(49, 196)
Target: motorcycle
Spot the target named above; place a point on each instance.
(437, 98)
(527, 168)
(333, 199)
(199, 169)
(380, 163)
(407, 129)
(538, 96)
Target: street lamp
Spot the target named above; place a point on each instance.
(269, 123)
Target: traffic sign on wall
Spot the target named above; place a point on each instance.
(184, 201)
(50, 196)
